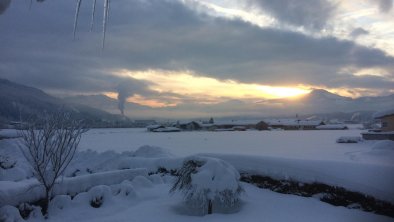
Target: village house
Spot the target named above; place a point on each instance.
(294, 124)
(188, 125)
(386, 132)
(387, 120)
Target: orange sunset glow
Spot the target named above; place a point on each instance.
(205, 88)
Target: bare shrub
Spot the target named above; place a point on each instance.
(50, 145)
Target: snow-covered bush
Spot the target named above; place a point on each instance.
(28, 211)
(6, 162)
(99, 194)
(141, 182)
(59, 202)
(95, 197)
(156, 179)
(127, 190)
(208, 185)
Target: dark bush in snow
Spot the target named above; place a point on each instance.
(208, 185)
(98, 195)
(349, 139)
(125, 189)
(6, 163)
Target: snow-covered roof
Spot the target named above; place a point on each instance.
(154, 126)
(293, 122)
(332, 126)
(237, 122)
(167, 129)
(381, 114)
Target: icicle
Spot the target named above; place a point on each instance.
(31, 2)
(93, 12)
(76, 16)
(106, 6)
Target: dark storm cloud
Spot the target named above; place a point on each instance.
(309, 14)
(4, 4)
(39, 49)
(365, 81)
(358, 32)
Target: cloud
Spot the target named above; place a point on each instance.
(4, 4)
(365, 81)
(358, 32)
(309, 14)
(38, 48)
(385, 6)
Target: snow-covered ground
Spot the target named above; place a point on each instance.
(155, 204)
(313, 145)
(306, 156)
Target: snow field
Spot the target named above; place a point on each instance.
(305, 156)
(155, 204)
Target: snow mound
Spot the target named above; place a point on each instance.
(383, 148)
(349, 139)
(124, 189)
(95, 197)
(10, 214)
(152, 152)
(8, 133)
(13, 165)
(384, 145)
(156, 179)
(59, 202)
(141, 182)
(14, 174)
(99, 195)
(10, 191)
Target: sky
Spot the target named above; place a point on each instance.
(185, 53)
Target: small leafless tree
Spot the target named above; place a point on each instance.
(50, 145)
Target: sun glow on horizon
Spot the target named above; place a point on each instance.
(284, 92)
(204, 89)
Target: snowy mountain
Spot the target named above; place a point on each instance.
(323, 95)
(322, 101)
(20, 102)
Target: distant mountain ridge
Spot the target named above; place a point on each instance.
(20, 102)
(322, 101)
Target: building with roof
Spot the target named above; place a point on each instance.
(294, 124)
(387, 120)
(386, 131)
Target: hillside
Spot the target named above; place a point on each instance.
(20, 102)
